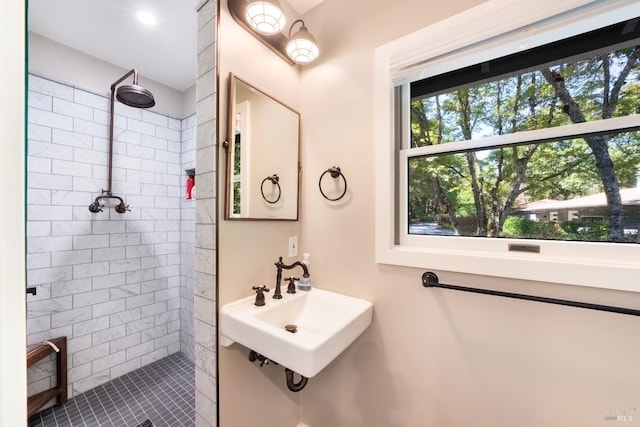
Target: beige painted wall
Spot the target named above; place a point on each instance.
(435, 357)
(249, 395)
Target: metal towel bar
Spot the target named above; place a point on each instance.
(430, 280)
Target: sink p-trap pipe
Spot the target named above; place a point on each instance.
(295, 386)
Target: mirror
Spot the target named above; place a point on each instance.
(262, 149)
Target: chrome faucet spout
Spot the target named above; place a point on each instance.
(282, 266)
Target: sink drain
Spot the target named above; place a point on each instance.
(291, 328)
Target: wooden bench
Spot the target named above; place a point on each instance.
(38, 352)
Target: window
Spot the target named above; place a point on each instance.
(458, 189)
(494, 154)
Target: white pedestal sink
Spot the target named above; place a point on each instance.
(326, 323)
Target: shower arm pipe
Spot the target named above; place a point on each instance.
(111, 115)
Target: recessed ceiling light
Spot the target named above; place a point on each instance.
(146, 17)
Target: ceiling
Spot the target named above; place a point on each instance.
(109, 30)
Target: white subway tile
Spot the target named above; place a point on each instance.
(153, 310)
(87, 328)
(140, 349)
(39, 133)
(63, 167)
(70, 287)
(108, 281)
(83, 385)
(174, 147)
(38, 228)
(168, 271)
(72, 139)
(49, 119)
(89, 298)
(155, 118)
(140, 151)
(79, 373)
(48, 181)
(108, 254)
(153, 166)
(39, 101)
(129, 137)
(140, 176)
(90, 156)
(124, 342)
(89, 270)
(154, 237)
(167, 316)
(139, 276)
(38, 324)
(124, 292)
(110, 307)
(152, 357)
(169, 134)
(171, 338)
(167, 294)
(141, 127)
(108, 227)
(124, 239)
(90, 354)
(89, 242)
(70, 257)
(153, 214)
(154, 142)
(124, 110)
(153, 261)
(124, 317)
(71, 228)
(48, 244)
(91, 100)
(167, 157)
(38, 164)
(49, 87)
(169, 225)
(78, 342)
(48, 275)
(72, 109)
(69, 317)
(39, 260)
(139, 300)
(109, 334)
(119, 266)
(138, 226)
(87, 127)
(48, 213)
(140, 251)
(153, 333)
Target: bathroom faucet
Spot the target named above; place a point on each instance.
(280, 266)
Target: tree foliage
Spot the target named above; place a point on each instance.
(488, 184)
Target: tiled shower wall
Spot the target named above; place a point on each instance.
(187, 240)
(109, 282)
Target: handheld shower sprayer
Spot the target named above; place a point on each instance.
(133, 96)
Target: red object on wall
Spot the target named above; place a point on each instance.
(191, 182)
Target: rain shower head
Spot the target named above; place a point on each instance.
(135, 96)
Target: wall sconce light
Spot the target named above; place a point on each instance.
(265, 16)
(265, 19)
(302, 47)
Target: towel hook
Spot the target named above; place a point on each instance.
(335, 173)
(275, 180)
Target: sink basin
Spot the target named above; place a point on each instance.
(325, 324)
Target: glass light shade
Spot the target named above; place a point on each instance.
(265, 16)
(302, 47)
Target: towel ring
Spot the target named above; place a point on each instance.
(335, 173)
(275, 180)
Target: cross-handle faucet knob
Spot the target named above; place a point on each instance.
(291, 288)
(260, 294)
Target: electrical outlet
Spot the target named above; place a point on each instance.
(293, 246)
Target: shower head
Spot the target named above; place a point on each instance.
(135, 96)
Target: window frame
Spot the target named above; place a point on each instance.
(492, 29)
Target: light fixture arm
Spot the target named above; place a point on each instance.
(294, 23)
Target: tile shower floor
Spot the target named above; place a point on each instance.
(162, 392)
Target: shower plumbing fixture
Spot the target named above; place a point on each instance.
(133, 96)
